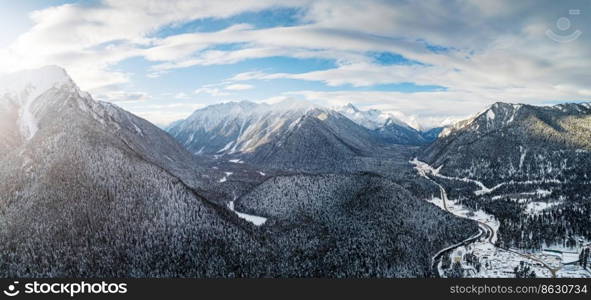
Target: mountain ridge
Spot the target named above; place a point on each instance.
(98, 192)
(527, 165)
(255, 131)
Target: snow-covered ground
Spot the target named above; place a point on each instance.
(498, 262)
(256, 220)
(534, 208)
(424, 169)
(225, 178)
(462, 211)
(495, 262)
(573, 271)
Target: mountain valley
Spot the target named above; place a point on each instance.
(88, 189)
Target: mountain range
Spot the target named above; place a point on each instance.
(527, 165)
(290, 189)
(531, 143)
(88, 189)
(294, 135)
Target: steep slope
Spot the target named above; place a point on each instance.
(527, 165)
(287, 135)
(514, 141)
(95, 191)
(395, 133)
(10, 135)
(430, 135)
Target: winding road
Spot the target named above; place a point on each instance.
(485, 231)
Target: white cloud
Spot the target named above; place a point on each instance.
(122, 96)
(488, 50)
(89, 39)
(357, 74)
(164, 114)
(239, 87)
(181, 96)
(212, 90)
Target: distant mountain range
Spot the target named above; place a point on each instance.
(293, 134)
(387, 127)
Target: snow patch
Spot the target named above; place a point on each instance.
(534, 208)
(322, 116)
(225, 178)
(523, 152)
(424, 169)
(256, 220)
(226, 147)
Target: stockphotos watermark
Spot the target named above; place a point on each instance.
(565, 33)
(71, 289)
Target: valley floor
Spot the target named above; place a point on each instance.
(496, 262)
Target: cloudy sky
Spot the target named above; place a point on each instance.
(425, 60)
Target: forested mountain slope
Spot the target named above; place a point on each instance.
(527, 165)
(90, 190)
(517, 142)
(95, 191)
(352, 226)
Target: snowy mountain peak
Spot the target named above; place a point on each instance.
(505, 112)
(371, 118)
(290, 104)
(29, 84)
(351, 107)
(497, 115)
(502, 114)
(393, 120)
(24, 87)
(244, 110)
